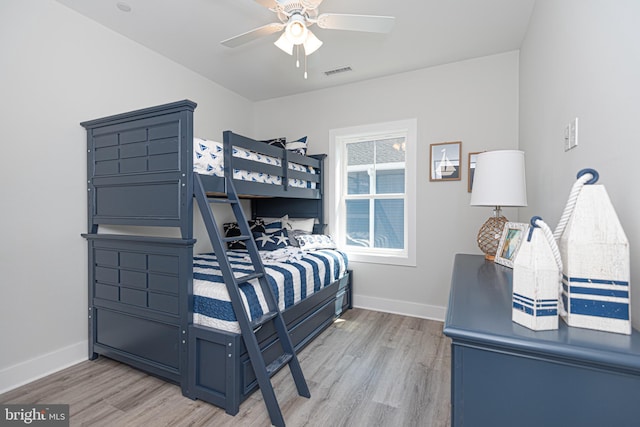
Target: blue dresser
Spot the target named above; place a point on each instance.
(503, 374)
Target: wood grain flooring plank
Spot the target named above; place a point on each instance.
(367, 369)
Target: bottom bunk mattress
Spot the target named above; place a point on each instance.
(293, 276)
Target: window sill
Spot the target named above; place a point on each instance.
(388, 259)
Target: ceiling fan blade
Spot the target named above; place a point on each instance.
(269, 4)
(252, 35)
(368, 23)
(311, 4)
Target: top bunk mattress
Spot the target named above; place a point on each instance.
(293, 276)
(208, 159)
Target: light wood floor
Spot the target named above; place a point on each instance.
(367, 369)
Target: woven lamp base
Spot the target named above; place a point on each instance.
(489, 236)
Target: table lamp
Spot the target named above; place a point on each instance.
(498, 181)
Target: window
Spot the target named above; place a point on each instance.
(373, 200)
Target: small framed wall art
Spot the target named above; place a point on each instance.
(471, 164)
(445, 161)
(512, 236)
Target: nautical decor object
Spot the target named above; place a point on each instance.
(595, 256)
(499, 181)
(445, 161)
(536, 279)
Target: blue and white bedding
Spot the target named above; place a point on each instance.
(208, 159)
(291, 281)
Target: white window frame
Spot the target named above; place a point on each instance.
(337, 172)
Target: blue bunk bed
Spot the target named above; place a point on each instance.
(141, 288)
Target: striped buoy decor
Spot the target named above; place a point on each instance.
(595, 258)
(536, 279)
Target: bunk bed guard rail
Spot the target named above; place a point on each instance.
(140, 163)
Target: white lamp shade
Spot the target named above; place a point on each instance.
(499, 179)
(311, 44)
(285, 44)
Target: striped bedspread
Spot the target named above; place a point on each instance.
(290, 281)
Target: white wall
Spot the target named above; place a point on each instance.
(475, 102)
(581, 58)
(57, 69)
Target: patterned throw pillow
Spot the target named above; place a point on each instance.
(277, 142)
(293, 236)
(298, 146)
(272, 227)
(310, 242)
(231, 229)
(271, 241)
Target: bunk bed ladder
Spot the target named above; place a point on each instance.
(248, 328)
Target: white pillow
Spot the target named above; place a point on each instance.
(305, 224)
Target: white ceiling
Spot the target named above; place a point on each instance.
(426, 33)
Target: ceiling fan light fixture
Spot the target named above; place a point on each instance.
(284, 44)
(311, 44)
(296, 16)
(296, 30)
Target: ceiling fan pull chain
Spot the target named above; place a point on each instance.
(297, 56)
(305, 67)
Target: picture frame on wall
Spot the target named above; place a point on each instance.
(512, 237)
(471, 164)
(445, 161)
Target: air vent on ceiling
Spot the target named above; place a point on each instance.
(337, 71)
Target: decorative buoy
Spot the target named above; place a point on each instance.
(595, 256)
(536, 279)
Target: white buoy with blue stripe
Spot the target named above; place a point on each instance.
(536, 279)
(595, 258)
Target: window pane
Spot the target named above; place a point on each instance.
(358, 182)
(390, 150)
(358, 223)
(389, 224)
(390, 181)
(360, 153)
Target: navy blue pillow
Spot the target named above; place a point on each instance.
(231, 229)
(271, 241)
(298, 146)
(277, 142)
(272, 227)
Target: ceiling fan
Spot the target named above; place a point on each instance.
(297, 16)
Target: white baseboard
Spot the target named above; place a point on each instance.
(41, 366)
(406, 308)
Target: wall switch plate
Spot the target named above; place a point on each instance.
(571, 135)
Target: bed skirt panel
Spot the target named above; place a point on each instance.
(223, 374)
